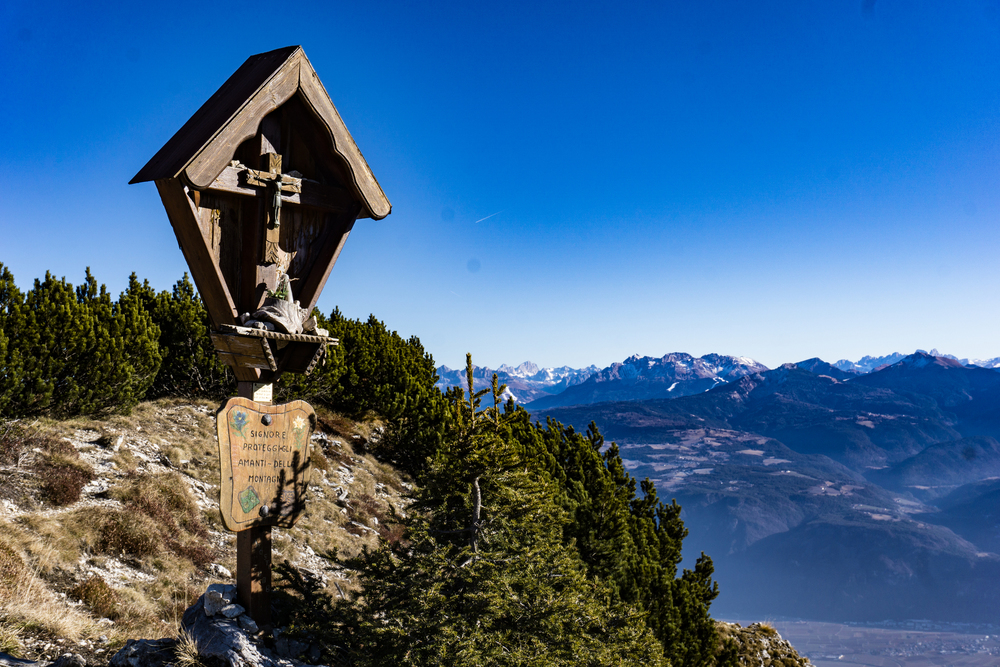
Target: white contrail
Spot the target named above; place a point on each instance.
(487, 217)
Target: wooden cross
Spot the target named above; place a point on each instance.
(276, 182)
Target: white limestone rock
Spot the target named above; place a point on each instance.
(232, 610)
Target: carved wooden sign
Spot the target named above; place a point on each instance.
(264, 452)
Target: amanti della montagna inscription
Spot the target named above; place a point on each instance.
(264, 450)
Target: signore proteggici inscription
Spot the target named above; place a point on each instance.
(264, 455)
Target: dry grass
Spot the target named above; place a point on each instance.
(59, 473)
(330, 526)
(12, 567)
(17, 439)
(10, 639)
(184, 431)
(138, 554)
(164, 498)
(63, 476)
(103, 538)
(124, 532)
(186, 653)
(55, 541)
(27, 602)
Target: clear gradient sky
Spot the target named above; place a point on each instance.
(571, 183)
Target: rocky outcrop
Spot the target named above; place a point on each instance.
(145, 653)
(760, 645)
(221, 633)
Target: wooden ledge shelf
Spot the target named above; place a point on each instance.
(271, 352)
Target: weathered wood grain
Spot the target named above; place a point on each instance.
(308, 193)
(308, 290)
(300, 358)
(203, 147)
(213, 158)
(376, 204)
(244, 351)
(184, 218)
(264, 454)
(253, 573)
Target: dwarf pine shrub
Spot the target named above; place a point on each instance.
(69, 351)
(62, 472)
(99, 596)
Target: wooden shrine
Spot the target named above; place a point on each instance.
(262, 186)
(264, 179)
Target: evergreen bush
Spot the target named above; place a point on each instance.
(73, 351)
(376, 372)
(190, 368)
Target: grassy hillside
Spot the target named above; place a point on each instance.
(111, 527)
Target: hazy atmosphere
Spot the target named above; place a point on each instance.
(571, 183)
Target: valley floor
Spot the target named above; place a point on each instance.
(829, 644)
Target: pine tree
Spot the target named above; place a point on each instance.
(139, 343)
(631, 540)
(55, 334)
(75, 350)
(487, 579)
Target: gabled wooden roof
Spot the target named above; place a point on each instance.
(206, 143)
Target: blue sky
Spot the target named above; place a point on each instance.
(779, 180)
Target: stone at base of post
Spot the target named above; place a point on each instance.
(253, 546)
(253, 573)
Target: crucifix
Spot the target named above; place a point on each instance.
(275, 183)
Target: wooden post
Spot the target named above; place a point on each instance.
(253, 555)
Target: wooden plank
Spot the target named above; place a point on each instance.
(238, 362)
(312, 194)
(309, 289)
(269, 134)
(184, 217)
(211, 284)
(262, 179)
(264, 459)
(376, 204)
(278, 335)
(253, 559)
(228, 101)
(221, 225)
(244, 351)
(202, 148)
(245, 345)
(253, 573)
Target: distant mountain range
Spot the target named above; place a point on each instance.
(525, 383)
(826, 491)
(641, 378)
(869, 364)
